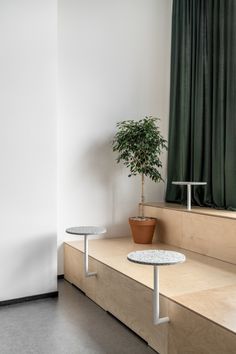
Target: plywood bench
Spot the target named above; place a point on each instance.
(199, 296)
(207, 231)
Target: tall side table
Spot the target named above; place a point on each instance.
(156, 258)
(189, 185)
(86, 231)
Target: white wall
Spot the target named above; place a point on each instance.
(114, 58)
(27, 147)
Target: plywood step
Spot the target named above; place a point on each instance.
(207, 231)
(198, 295)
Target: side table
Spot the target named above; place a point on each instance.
(189, 185)
(86, 231)
(156, 258)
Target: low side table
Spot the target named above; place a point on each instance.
(86, 231)
(189, 185)
(156, 258)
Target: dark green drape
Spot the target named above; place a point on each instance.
(202, 131)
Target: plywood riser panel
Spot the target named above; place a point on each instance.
(208, 235)
(131, 303)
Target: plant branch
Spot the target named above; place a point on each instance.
(142, 195)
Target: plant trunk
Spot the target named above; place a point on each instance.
(142, 197)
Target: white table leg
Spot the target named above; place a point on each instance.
(156, 305)
(86, 272)
(189, 197)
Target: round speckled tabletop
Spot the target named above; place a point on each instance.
(86, 230)
(183, 183)
(156, 257)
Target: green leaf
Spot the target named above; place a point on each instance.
(139, 145)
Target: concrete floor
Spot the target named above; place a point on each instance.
(71, 324)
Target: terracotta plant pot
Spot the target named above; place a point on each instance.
(142, 229)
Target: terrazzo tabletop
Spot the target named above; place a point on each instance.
(86, 230)
(156, 257)
(182, 183)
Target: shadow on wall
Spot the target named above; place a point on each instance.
(107, 178)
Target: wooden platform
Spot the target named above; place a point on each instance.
(195, 209)
(207, 231)
(199, 295)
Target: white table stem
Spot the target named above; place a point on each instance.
(189, 186)
(189, 197)
(86, 271)
(156, 301)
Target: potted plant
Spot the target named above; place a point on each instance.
(139, 145)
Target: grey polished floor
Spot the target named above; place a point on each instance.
(71, 324)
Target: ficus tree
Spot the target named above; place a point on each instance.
(139, 145)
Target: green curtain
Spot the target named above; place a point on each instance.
(202, 130)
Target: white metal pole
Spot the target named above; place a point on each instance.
(189, 196)
(85, 255)
(156, 296)
(156, 304)
(86, 272)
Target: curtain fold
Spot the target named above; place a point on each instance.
(202, 129)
